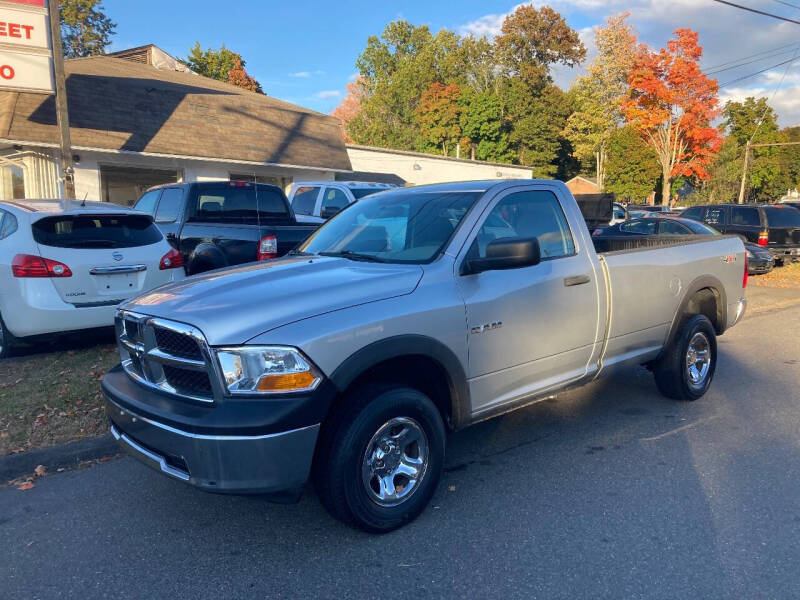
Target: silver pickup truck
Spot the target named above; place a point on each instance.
(412, 313)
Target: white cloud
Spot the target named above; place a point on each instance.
(300, 74)
(328, 94)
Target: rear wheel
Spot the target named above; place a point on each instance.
(380, 457)
(687, 367)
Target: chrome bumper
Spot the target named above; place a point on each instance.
(272, 463)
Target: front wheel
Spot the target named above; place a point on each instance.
(380, 458)
(686, 369)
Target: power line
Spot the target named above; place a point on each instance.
(727, 83)
(758, 12)
(787, 4)
(773, 51)
(750, 62)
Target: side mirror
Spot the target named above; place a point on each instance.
(330, 211)
(507, 253)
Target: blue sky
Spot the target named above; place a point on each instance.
(305, 52)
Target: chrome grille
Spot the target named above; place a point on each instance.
(168, 356)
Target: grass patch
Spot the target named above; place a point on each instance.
(53, 397)
(780, 277)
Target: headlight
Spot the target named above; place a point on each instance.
(749, 254)
(266, 370)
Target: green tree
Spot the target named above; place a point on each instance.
(482, 124)
(535, 121)
(223, 65)
(632, 169)
(754, 120)
(85, 28)
(790, 157)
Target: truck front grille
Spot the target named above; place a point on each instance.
(168, 356)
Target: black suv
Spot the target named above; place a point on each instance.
(776, 227)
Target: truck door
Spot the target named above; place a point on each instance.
(534, 327)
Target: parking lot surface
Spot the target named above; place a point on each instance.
(610, 491)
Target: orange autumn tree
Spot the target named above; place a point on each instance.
(672, 104)
(438, 115)
(350, 106)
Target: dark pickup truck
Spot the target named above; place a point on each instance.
(221, 223)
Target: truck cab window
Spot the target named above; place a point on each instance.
(147, 203)
(304, 200)
(334, 198)
(745, 216)
(170, 206)
(528, 214)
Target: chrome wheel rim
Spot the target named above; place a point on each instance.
(395, 461)
(698, 359)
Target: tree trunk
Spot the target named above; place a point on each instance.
(601, 168)
(665, 186)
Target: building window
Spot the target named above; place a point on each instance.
(124, 185)
(12, 182)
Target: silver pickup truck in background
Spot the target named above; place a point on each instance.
(412, 312)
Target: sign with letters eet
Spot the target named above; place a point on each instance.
(25, 48)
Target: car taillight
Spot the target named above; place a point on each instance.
(763, 238)
(268, 248)
(744, 277)
(171, 260)
(27, 265)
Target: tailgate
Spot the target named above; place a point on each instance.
(111, 257)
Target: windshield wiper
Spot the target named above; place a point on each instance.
(354, 256)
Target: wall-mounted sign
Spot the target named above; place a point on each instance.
(25, 48)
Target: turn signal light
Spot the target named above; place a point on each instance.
(286, 382)
(27, 265)
(763, 238)
(171, 260)
(268, 248)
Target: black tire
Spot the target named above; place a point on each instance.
(6, 340)
(674, 376)
(342, 455)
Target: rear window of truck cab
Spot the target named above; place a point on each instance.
(239, 203)
(96, 231)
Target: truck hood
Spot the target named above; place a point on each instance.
(233, 305)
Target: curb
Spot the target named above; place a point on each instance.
(56, 457)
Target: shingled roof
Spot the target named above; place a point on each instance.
(121, 105)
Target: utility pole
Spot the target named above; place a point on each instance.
(62, 114)
(744, 172)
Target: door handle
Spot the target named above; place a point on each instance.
(576, 280)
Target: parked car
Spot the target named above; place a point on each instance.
(318, 201)
(217, 224)
(620, 213)
(653, 208)
(759, 260)
(66, 265)
(411, 312)
(775, 227)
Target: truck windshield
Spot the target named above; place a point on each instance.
(406, 226)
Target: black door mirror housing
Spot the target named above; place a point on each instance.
(330, 211)
(507, 253)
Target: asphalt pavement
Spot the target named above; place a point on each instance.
(610, 491)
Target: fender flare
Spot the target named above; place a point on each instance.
(411, 345)
(205, 253)
(702, 282)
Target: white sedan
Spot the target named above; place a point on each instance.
(65, 265)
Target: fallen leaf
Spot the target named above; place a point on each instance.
(28, 485)
(40, 471)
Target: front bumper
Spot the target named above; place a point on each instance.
(236, 445)
(759, 266)
(270, 463)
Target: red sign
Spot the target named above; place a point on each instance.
(28, 2)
